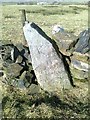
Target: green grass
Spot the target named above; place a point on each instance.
(74, 19)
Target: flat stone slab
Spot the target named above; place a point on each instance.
(79, 74)
(79, 69)
(80, 65)
(48, 63)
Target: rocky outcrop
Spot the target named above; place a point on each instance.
(78, 49)
(16, 66)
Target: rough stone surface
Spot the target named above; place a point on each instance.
(33, 89)
(80, 65)
(13, 70)
(79, 69)
(16, 70)
(77, 48)
(80, 60)
(5, 52)
(19, 59)
(57, 28)
(83, 43)
(63, 39)
(47, 62)
(67, 41)
(79, 74)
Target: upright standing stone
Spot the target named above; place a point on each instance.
(47, 62)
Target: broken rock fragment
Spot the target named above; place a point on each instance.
(13, 70)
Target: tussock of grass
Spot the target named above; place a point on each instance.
(19, 104)
(50, 6)
(10, 16)
(51, 11)
(78, 8)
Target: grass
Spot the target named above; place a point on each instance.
(45, 16)
(18, 103)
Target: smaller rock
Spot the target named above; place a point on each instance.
(78, 74)
(27, 83)
(79, 69)
(83, 43)
(20, 46)
(24, 51)
(33, 89)
(80, 65)
(13, 70)
(22, 77)
(81, 57)
(57, 28)
(20, 84)
(27, 56)
(63, 39)
(28, 77)
(5, 52)
(19, 59)
(17, 83)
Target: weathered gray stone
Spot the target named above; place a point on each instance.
(57, 29)
(79, 69)
(15, 62)
(81, 57)
(83, 43)
(63, 39)
(13, 70)
(26, 79)
(79, 74)
(19, 59)
(17, 83)
(20, 84)
(67, 41)
(77, 48)
(80, 65)
(34, 89)
(23, 50)
(48, 63)
(5, 52)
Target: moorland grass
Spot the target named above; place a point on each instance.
(74, 19)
